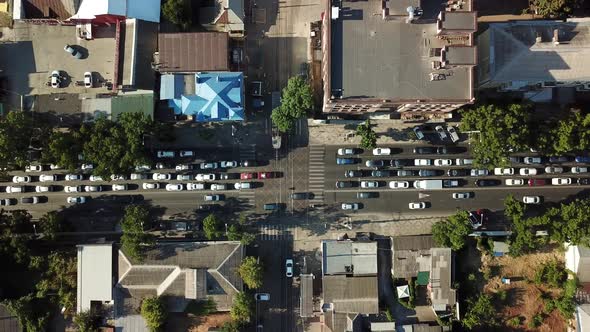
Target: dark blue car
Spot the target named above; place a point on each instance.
(346, 161)
(583, 159)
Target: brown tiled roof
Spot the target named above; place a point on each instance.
(193, 52)
(223, 18)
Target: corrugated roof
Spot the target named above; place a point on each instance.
(412, 242)
(58, 9)
(440, 278)
(411, 254)
(306, 295)
(351, 294)
(193, 52)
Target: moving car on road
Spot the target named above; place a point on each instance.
(47, 178)
(76, 200)
(21, 179)
(417, 205)
(366, 195)
(300, 196)
(381, 152)
(272, 206)
(514, 182)
(350, 206)
(561, 181)
(289, 268)
(503, 171)
(150, 186)
(464, 195)
(399, 184)
(531, 200)
(174, 187)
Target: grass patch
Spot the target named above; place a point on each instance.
(201, 308)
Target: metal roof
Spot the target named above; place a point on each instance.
(351, 294)
(95, 274)
(349, 257)
(193, 52)
(306, 295)
(440, 278)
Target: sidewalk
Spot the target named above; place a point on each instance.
(342, 132)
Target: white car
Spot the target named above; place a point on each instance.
(479, 172)
(528, 171)
(55, 79)
(15, 189)
(86, 167)
(503, 171)
(228, 164)
(88, 79)
(161, 176)
(350, 206)
(54, 166)
(73, 189)
(553, 170)
(184, 177)
(422, 162)
(183, 167)
(34, 168)
(381, 152)
(195, 186)
(205, 177)
(142, 168)
(532, 160)
(369, 184)
(138, 176)
(531, 200)
(289, 268)
(578, 170)
(211, 165)
(47, 178)
(43, 189)
(346, 152)
(561, 181)
(464, 195)
(92, 188)
(76, 200)
(443, 162)
(218, 186)
(21, 179)
(417, 205)
(514, 182)
(118, 177)
(119, 187)
(453, 134)
(399, 184)
(150, 186)
(95, 178)
(441, 132)
(74, 177)
(174, 187)
(462, 162)
(243, 185)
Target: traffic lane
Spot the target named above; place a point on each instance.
(403, 149)
(442, 203)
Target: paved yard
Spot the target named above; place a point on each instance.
(30, 52)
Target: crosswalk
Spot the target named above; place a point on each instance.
(248, 152)
(275, 232)
(248, 196)
(316, 173)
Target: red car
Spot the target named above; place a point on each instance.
(247, 176)
(266, 175)
(536, 182)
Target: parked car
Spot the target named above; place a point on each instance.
(272, 206)
(174, 187)
(76, 200)
(443, 162)
(213, 198)
(531, 200)
(248, 163)
(95, 178)
(119, 187)
(487, 183)
(55, 79)
(422, 162)
(503, 171)
(262, 297)
(161, 176)
(88, 82)
(210, 165)
(73, 189)
(30, 200)
(369, 184)
(401, 162)
(73, 52)
(266, 175)
(514, 182)
(532, 160)
(21, 179)
(301, 196)
(583, 181)
(479, 172)
(350, 206)
(381, 152)
(449, 150)
(578, 170)
(353, 173)
(366, 195)
(241, 185)
(375, 163)
(205, 177)
(553, 170)
(463, 162)
(184, 177)
(228, 164)
(247, 176)
(536, 182)
(558, 159)
(186, 153)
(381, 173)
(195, 186)
(183, 167)
(93, 188)
(417, 205)
(441, 132)
(419, 133)
(427, 172)
(165, 154)
(453, 134)
(118, 177)
(463, 195)
(346, 161)
(34, 168)
(582, 159)
(150, 186)
(47, 178)
(289, 268)
(407, 172)
(399, 184)
(344, 184)
(87, 167)
(348, 151)
(138, 176)
(457, 172)
(8, 201)
(142, 168)
(218, 186)
(43, 189)
(424, 150)
(561, 181)
(15, 189)
(528, 171)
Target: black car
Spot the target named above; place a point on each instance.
(7, 201)
(273, 206)
(406, 172)
(401, 162)
(487, 182)
(229, 176)
(457, 172)
(381, 174)
(353, 173)
(449, 150)
(427, 172)
(425, 150)
(374, 163)
(365, 195)
(300, 196)
(344, 184)
(207, 207)
(248, 163)
(516, 160)
(558, 159)
(583, 181)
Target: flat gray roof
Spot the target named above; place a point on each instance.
(95, 274)
(460, 55)
(349, 257)
(459, 20)
(372, 58)
(440, 278)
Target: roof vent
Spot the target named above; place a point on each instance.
(555, 37)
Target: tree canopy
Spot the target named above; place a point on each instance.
(16, 229)
(154, 313)
(368, 136)
(251, 272)
(178, 12)
(212, 227)
(453, 231)
(242, 308)
(87, 321)
(16, 132)
(552, 8)
(296, 102)
(480, 312)
(134, 240)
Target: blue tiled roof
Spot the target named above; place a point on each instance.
(171, 86)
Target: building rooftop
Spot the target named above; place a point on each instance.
(147, 10)
(193, 52)
(442, 295)
(95, 275)
(411, 255)
(306, 296)
(351, 294)
(389, 59)
(48, 9)
(458, 20)
(349, 257)
(526, 51)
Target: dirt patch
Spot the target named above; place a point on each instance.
(212, 320)
(192, 323)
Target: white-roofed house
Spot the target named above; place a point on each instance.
(95, 275)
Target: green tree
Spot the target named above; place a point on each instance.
(251, 272)
(552, 8)
(480, 312)
(29, 311)
(499, 129)
(570, 223)
(242, 308)
(231, 326)
(212, 227)
(16, 132)
(513, 209)
(59, 278)
(15, 233)
(247, 238)
(234, 233)
(134, 240)
(178, 12)
(452, 233)
(296, 102)
(63, 149)
(50, 224)
(154, 313)
(87, 321)
(551, 273)
(368, 136)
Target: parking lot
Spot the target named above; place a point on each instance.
(29, 53)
